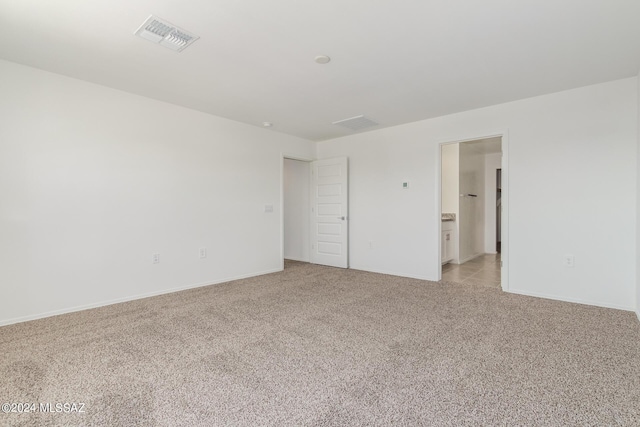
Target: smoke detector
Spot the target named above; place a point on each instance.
(165, 33)
(322, 59)
(356, 123)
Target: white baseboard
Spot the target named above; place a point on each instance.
(573, 300)
(129, 298)
(467, 259)
(638, 314)
(391, 273)
(290, 258)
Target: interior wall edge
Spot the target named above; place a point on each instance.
(571, 300)
(394, 273)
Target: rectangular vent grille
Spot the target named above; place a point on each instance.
(356, 123)
(166, 34)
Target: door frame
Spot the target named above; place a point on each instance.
(284, 156)
(504, 257)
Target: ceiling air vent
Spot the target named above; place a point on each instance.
(356, 123)
(166, 34)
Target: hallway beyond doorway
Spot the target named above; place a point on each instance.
(481, 271)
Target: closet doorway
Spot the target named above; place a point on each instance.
(296, 184)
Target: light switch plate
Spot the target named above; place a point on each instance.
(569, 261)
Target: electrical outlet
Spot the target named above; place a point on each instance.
(569, 261)
(156, 258)
(203, 252)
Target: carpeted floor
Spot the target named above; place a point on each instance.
(317, 346)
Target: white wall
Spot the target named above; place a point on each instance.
(638, 204)
(471, 220)
(450, 178)
(93, 181)
(296, 209)
(572, 190)
(450, 194)
(492, 162)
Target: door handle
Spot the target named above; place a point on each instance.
(341, 217)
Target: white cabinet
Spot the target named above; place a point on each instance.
(447, 241)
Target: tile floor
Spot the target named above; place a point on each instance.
(481, 271)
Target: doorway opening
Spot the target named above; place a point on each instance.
(296, 185)
(472, 204)
(314, 220)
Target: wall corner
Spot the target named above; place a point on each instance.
(638, 198)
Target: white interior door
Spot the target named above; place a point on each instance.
(329, 212)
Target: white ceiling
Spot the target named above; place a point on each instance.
(393, 61)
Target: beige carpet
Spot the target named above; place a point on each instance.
(317, 346)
